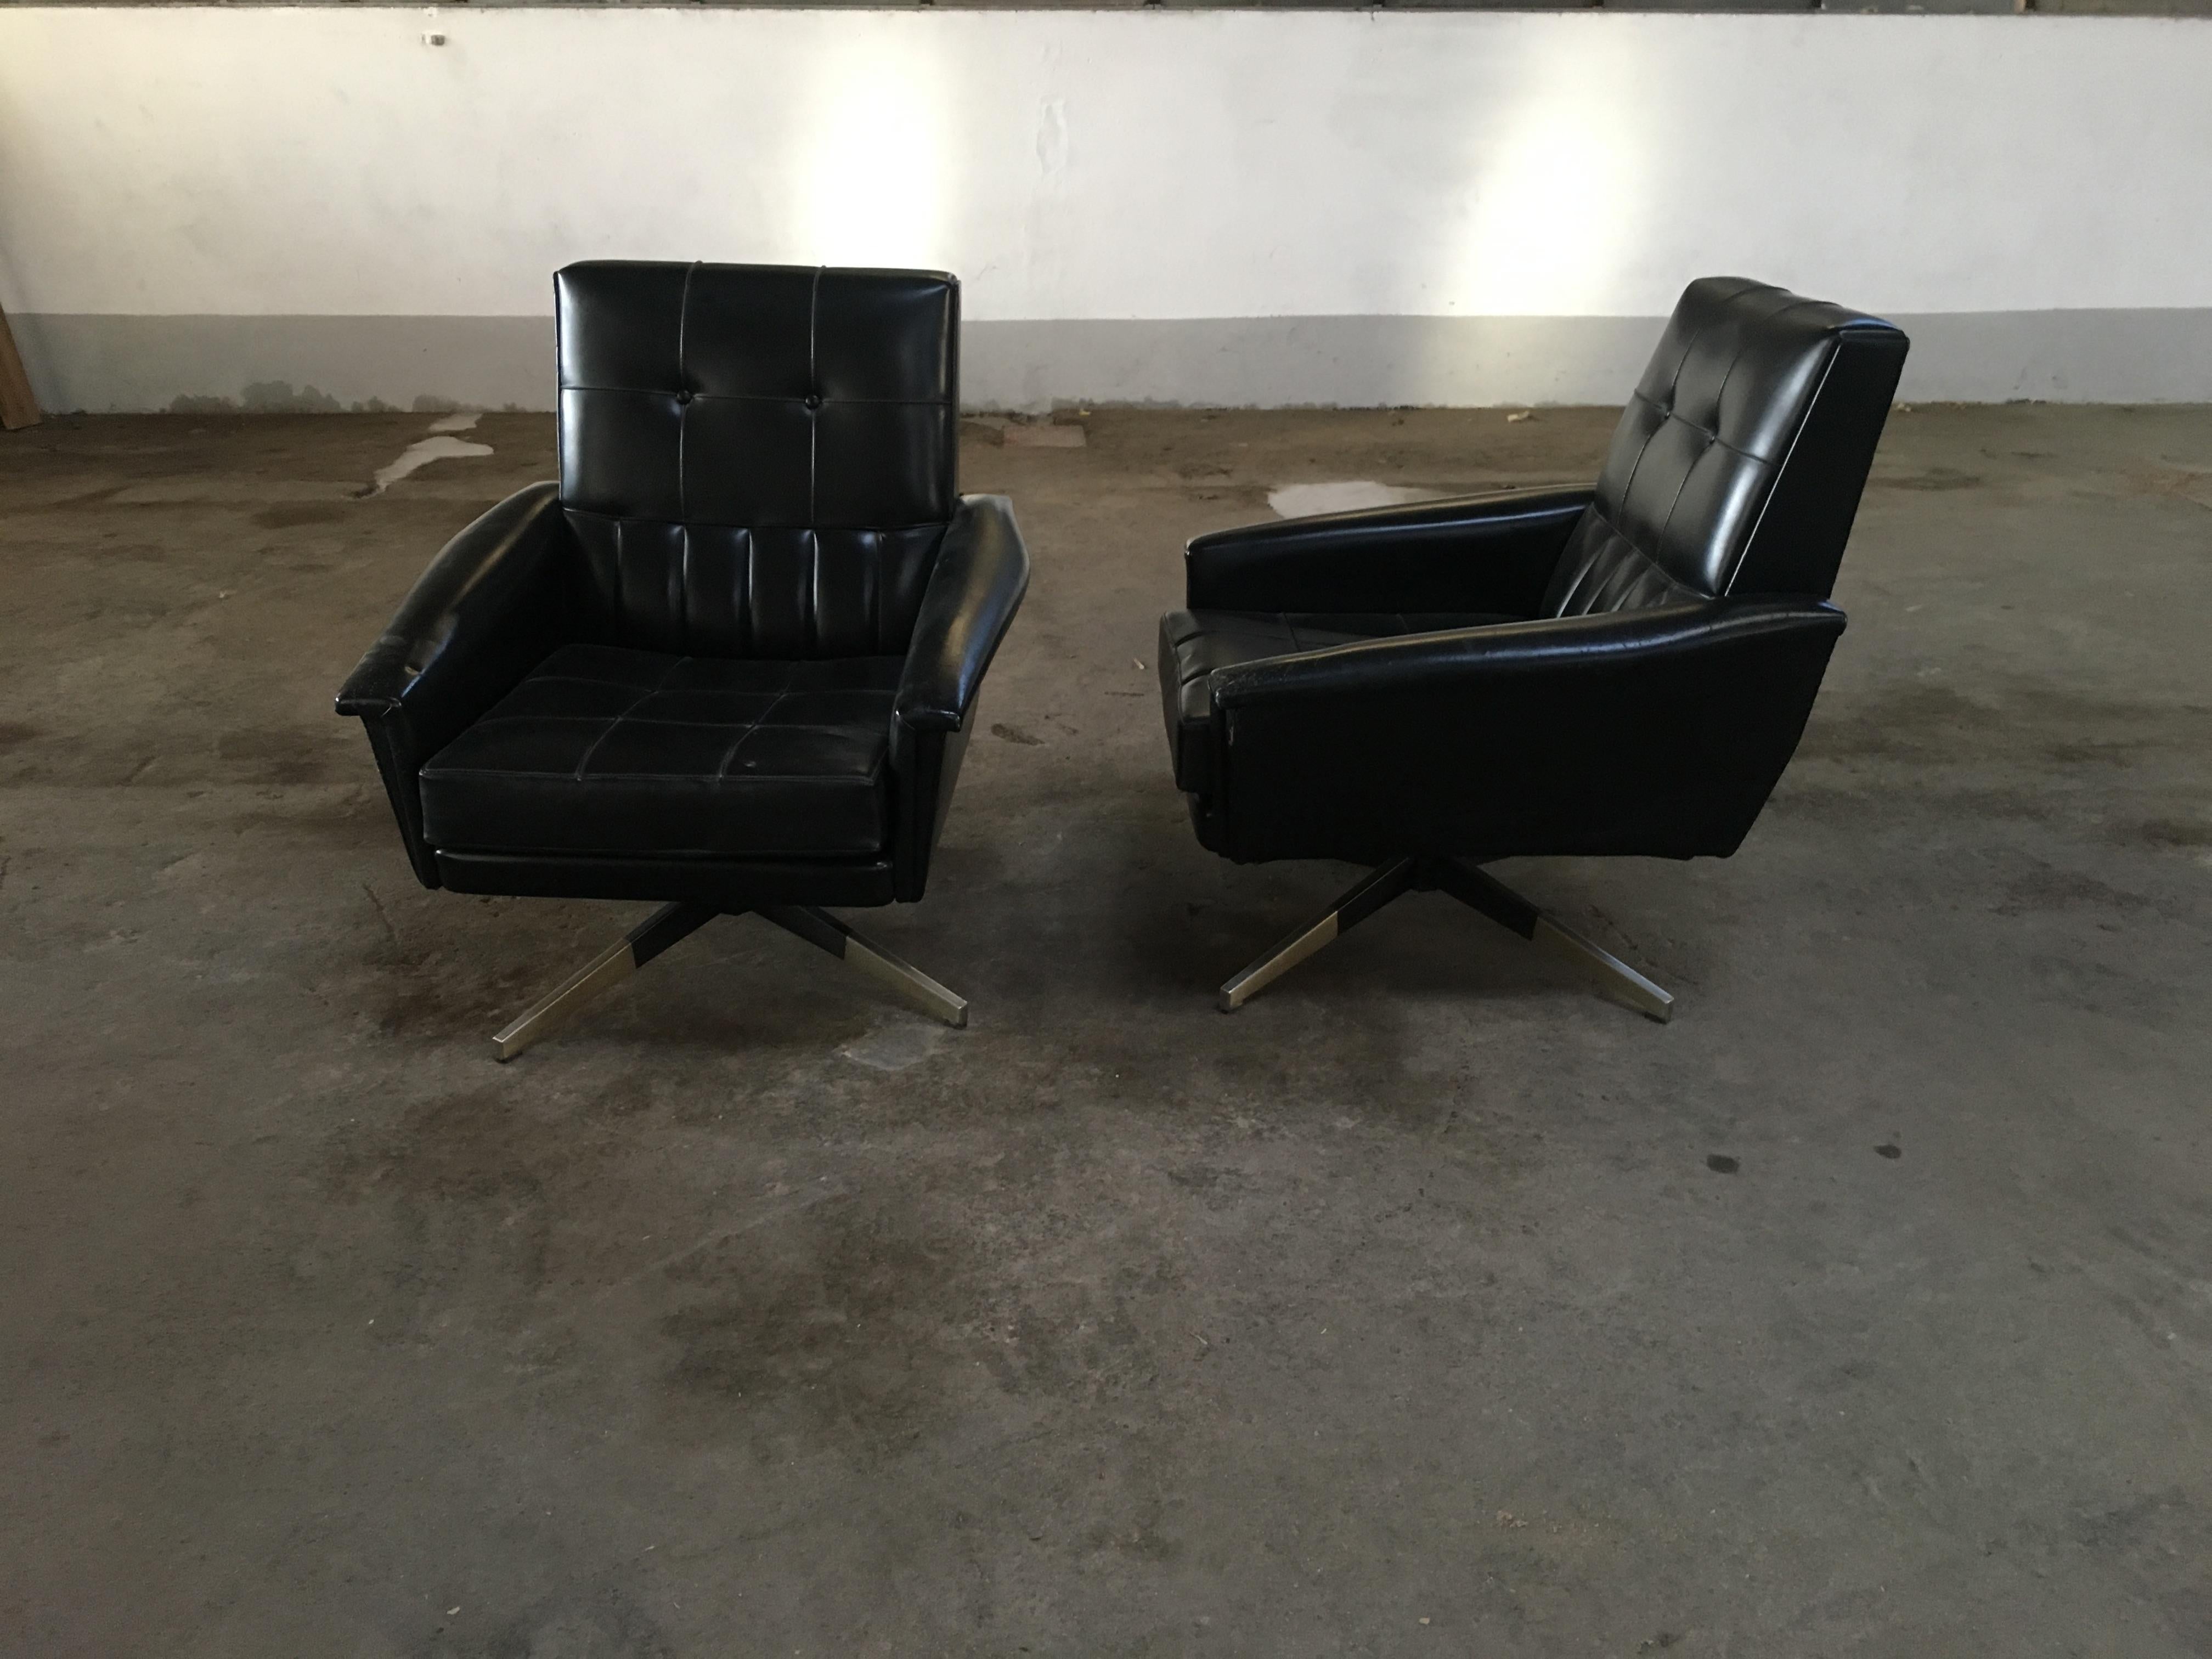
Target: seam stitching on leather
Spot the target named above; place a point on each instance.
(1637, 465)
(1651, 567)
(750, 724)
(1743, 349)
(620, 560)
(843, 779)
(732, 691)
(1674, 390)
(1666, 522)
(745, 587)
(724, 523)
(1703, 431)
(598, 742)
(759, 397)
(684, 589)
(871, 577)
(682, 404)
(722, 770)
(814, 391)
(813, 592)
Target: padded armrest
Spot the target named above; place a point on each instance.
(1658, 732)
(1606, 649)
(1492, 553)
(458, 604)
(982, 570)
(492, 604)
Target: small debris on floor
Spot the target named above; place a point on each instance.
(1523, 415)
(1722, 1163)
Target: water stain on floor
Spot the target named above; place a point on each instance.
(896, 1042)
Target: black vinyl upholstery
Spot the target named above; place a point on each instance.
(758, 460)
(763, 758)
(1621, 670)
(1195, 646)
(740, 641)
(1723, 474)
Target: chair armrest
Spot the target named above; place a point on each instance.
(492, 605)
(1658, 732)
(982, 570)
(460, 603)
(1490, 553)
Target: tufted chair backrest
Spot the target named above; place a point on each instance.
(1737, 466)
(758, 460)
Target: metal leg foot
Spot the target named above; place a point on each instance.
(1485, 893)
(639, 946)
(820, 929)
(1368, 894)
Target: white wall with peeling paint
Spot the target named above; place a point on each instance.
(1099, 166)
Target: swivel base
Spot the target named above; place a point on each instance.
(1472, 887)
(666, 925)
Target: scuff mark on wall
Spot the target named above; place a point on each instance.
(277, 398)
(268, 397)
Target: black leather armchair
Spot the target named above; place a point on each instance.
(1621, 670)
(730, 660)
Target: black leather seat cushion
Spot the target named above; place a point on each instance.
(612, 752)
(1194, 643)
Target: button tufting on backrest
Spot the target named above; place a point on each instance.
(758, 461)
(1706, 488)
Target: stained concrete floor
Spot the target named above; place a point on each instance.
(1405, 1312)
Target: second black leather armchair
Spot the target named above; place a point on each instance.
(1621, 669)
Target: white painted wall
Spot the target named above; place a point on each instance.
(1104, 165)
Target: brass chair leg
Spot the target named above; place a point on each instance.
(1368, 894)
(1482, 891)
(639, 946)
(821, 929)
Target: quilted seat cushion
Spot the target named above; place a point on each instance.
(620, 752)
(1195, 644)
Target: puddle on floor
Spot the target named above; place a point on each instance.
(1345, 495)
(896, 1042)
(440, 446)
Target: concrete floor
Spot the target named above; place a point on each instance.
(1405, 1312)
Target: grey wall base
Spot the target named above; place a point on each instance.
(286, 365)
(189, 364)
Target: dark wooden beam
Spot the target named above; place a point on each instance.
(18, 407)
